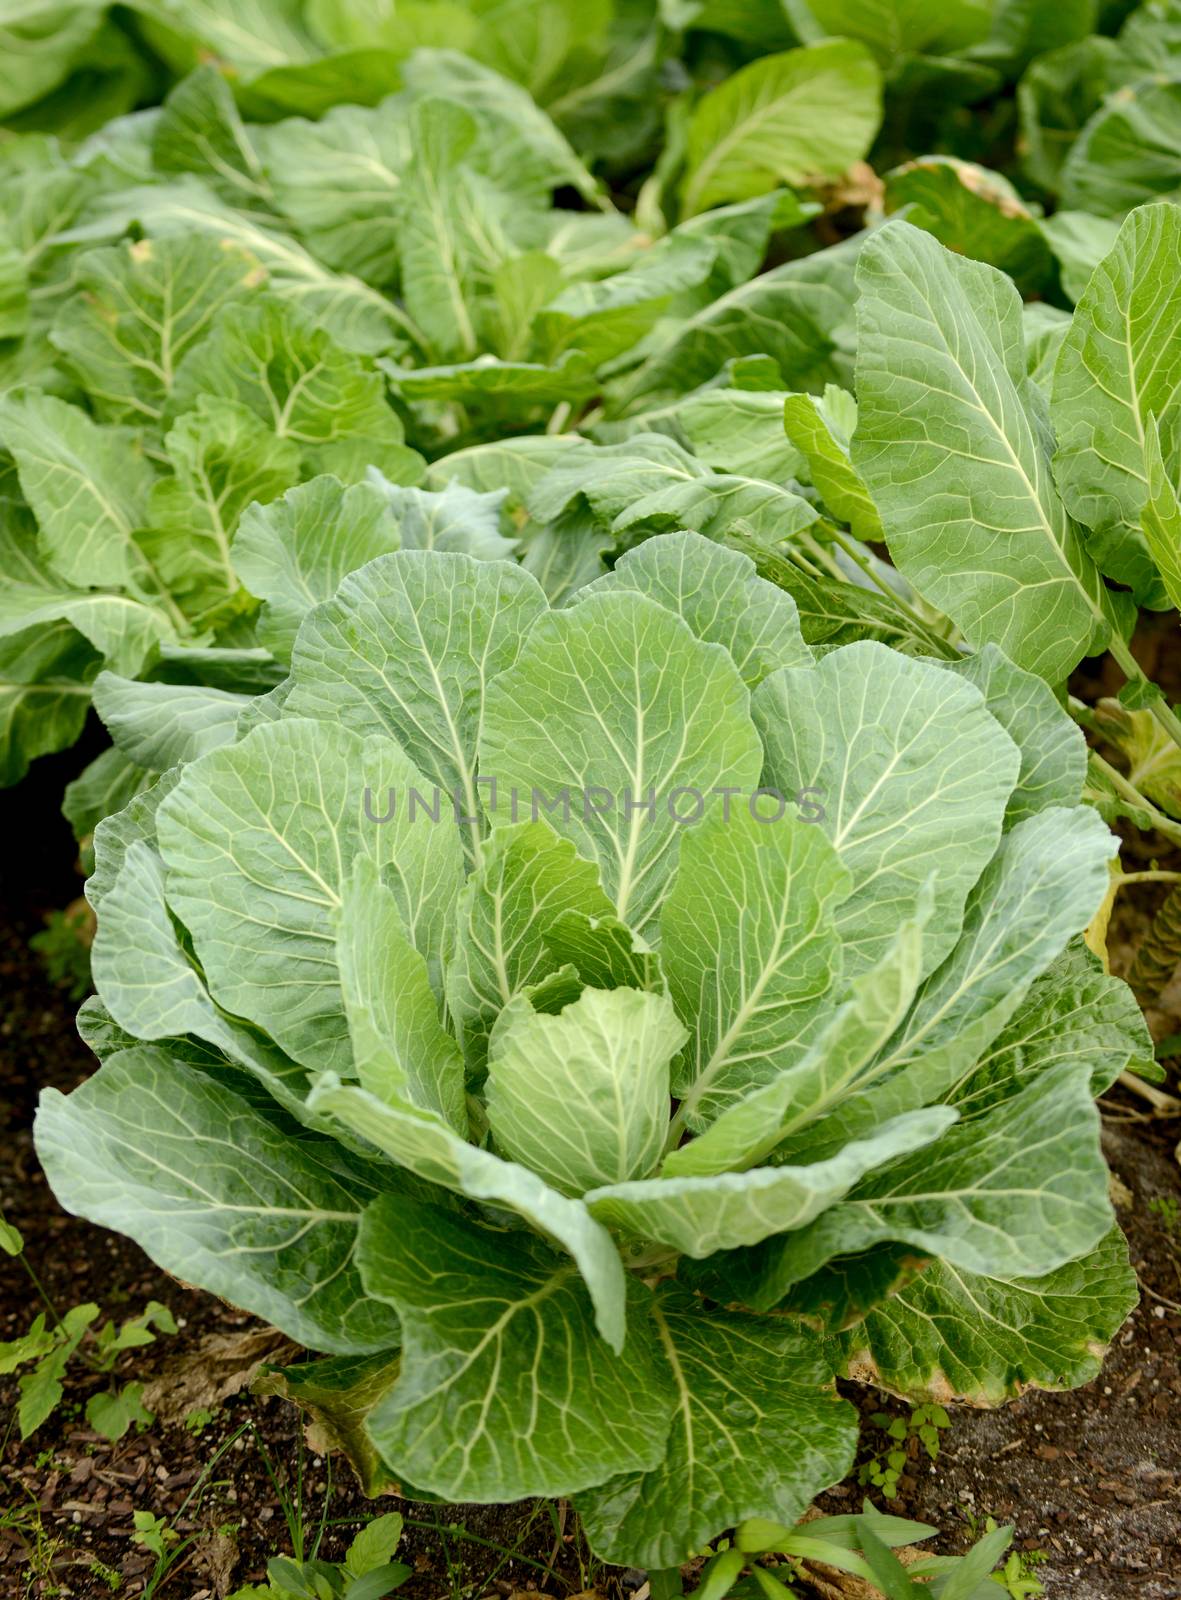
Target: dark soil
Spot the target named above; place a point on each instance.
(1092, 1479)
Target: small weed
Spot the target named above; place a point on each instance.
(198, 1420)
(41, 1548)
(54, 1339)
(861, 1545)
(923, 1426)
(108, 1575)
(1017, 1578)
(1167, 1210)
(367, 1572)
(63, 948)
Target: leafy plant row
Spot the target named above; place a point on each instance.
(587, 945)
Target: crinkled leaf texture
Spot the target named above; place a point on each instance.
(435, 1034)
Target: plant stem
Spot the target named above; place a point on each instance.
(1147, 877)
(1159, 707)
(665, 1584)
(948, 651)
(1162, 823)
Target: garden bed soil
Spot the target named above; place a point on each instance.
(1091, 1478)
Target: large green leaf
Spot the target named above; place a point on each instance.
(1119, 365)
(401, 1049)
(122, 628)
(799, 117)
(293, 552)
(750, 945)
(1129, 152)
(351, 312)
(270, 357)
(953, 442)
(1021, 1190)
(223, 459)
(422, 1142)
(757, 1430)
(799, 314)
(259, 838)
(453, 518)
(698, 1216)
(157, 725)
(1053, 749)
(1074, 1012)
(150, 985)
(1162, 514)
(719, 594)
(335, 180)
(453, 229)
(1048, 880)
(974, 212)
(408, 648)
(821, 429)
(200, 130)
(645, 710)
(913, 778)
(137, 309)
(218, 1195)
(750, 1128)
(505, 1389)
(45, 676)
(956, 1335)
(528, 877)
(88, 487)
(650, 481)
(581, 1098)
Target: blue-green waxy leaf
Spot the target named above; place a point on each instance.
(529, 877)
(158, 725)
(1053, 749)
(953, 441)
(402, 652)
(750, 946)
(852, 1035)
(719, 594)
(1118, 368)
(913, 779)
(453, 518)
(700, 1215)
(421, 1141)
(401, 1049)
(652, 718)
(582, 1097)
(293, 552)
(1047, 881)
(1074, 1012)
(219, 1195)
(1022, 1190)
(257, 837)
(757, 1425)
(505, 1388)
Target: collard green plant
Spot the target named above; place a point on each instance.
(591, 1029)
